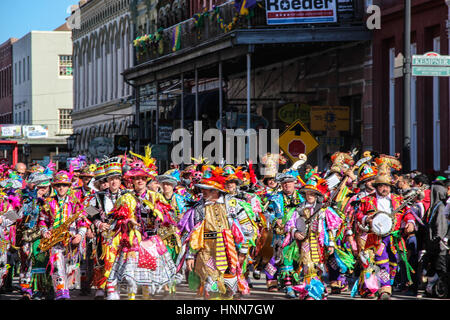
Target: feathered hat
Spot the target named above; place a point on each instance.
(385, 164)
(341, 161)
(62, 177)
(215, 181)
(88, 171)
(142, 165)
(366, 172)
(316, 184)
(42, 178)
(76, 163)
(171, 176)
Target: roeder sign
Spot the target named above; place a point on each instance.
(300, 11)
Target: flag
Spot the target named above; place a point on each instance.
(176, 38)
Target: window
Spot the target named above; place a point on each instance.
(28, 65)
(65, 66)
(24, 78)
(20, 72)
(65, 119)
(15, 73)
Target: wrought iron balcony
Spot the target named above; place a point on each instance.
(221, 22)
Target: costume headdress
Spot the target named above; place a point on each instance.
(215, 181)
(143, 165)
(88, 171)
(113, 167)
(62, 177)
(384, 165)
(341, 161)
(316, 184)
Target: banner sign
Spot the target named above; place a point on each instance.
(35, 132)
(300, 11)
(8, 131)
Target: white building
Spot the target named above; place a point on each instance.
(103, 49)
(42, 88)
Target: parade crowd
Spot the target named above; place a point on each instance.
(361, 225)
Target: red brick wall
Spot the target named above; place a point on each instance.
(428, 21)
(6, 74)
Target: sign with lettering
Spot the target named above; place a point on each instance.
(330, 118)
(35, 132)
(293, 111)
(431, 64)
(300, 11)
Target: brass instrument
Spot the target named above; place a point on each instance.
(60, 234)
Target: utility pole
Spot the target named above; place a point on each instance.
(406, 154)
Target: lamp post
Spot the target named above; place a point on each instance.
(26, 148)
(133, 131)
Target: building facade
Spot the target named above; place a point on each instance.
(6, 81)
(429, 123)
(103, 49)
(222, 62)
(42, 90)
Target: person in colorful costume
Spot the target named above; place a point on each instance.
(142, 259)
(309, 242)
(386, 248)
(280, 205)
(33, 278)
(11, 202)
(178, 202)
(109, 170)
(63, 258)
(342, 171)
(214, 255)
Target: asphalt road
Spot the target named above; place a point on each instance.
(258, 292)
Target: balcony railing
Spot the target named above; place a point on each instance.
(217, 23)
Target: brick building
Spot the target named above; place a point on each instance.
(6, 83)
(383, 118)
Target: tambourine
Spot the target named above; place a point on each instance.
(382, 224)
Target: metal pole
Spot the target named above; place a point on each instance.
(157, 112)
(407, 88)
(137, 117)
(182, 102)
(249, 65)
(220, 96)
(196, 94)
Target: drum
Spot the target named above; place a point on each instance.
(382, 224)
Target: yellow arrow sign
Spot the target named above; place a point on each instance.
(297, 139)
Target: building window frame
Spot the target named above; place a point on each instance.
(64, 119)
(65, 66)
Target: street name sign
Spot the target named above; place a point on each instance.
(431, 64)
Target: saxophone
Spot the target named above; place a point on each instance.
(60, 234)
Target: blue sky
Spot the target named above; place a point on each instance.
(18, 17)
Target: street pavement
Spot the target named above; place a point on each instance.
(258, 292)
